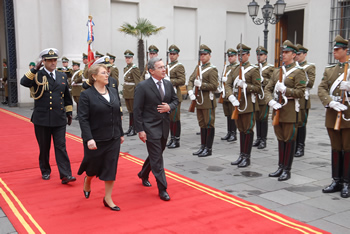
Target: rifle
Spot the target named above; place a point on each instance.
(235, 111)
(346, 66)
(146, 53)
(221, 100)
(276, 118)
(193, 103)
(167, 59)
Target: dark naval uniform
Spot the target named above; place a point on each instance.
(131, 79)
(330, 94)
(289, 114)
(206, 103)
(305, 102)
(52, 106)
(176, 72)
(247, 104)
(262, 115)
(226, 104)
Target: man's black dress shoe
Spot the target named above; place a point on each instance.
(45, 177)
(86, 194)
(146, 183)
(164, 195)
(67, 179)
(116, 208)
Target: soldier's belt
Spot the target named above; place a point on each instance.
(129, 83)
(339, 99)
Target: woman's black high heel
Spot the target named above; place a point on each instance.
(86, 194)
(116, 208)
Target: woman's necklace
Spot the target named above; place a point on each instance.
(101, 92)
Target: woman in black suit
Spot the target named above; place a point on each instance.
(102, 133)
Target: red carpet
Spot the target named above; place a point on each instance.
(37, 206)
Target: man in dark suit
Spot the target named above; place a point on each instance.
(52, 111)
(154, 99)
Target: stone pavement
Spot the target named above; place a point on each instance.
(300, 197)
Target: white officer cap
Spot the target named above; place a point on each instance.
(49, 53)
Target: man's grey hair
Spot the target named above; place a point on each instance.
(151, 62)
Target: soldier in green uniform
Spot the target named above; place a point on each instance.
(98, 55)
(152, 52)
(330, 93)
(305, 102)
(114, 72)
(86, 67)
(176, 72)
(292, 88)
(262, 115)
(77, 82)
(31, 65)
(226, 105)
(206, 101)
(4, 81)
(131, 79)
(247, 105)
(66, 69)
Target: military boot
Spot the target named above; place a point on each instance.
(346, 175)
(177, 132)
(227, 136)
(203, 133)
(289, 152)
(300, 141)
(233, 130)
(335, 186)
(132, 131)
(241, 143)
(281, 147)
(130, 124)
(247, 148)
(258, 134)
(172, 135)
(209, 143)
(263, 134)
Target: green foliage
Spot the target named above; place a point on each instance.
(143, 28)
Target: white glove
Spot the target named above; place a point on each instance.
(233, 100)
(281, 87)
(345, 85)
(337, 106)
(191, 95)
(224, 79)
(241, 83)
(197, 83)
(275, 105)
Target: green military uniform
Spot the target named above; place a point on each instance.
(330, 93)
(85, 71)
(205, 102)
(226, 104)
(114, 72)
(247, 104)
(262, 114)
(4, 80)
(131, 79)
(145, 74)
(305, 102)
(77, 82)
(176, 73)
(67, 71)
(289, 114)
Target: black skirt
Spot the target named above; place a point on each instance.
(103, 161)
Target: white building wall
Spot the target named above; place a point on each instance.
(62, 24)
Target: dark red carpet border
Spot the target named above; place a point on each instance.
(37, 206)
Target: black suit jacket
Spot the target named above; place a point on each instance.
(52, 108)
(99, 119)
(146, 101)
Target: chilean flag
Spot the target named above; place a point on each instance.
(90, 39)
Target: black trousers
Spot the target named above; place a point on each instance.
(43, 136)
(155, 162)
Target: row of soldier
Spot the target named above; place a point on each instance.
(261, 87)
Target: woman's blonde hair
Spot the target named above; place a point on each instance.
(93, 70)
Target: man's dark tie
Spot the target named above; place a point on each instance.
(161, 92)
(51, 74)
